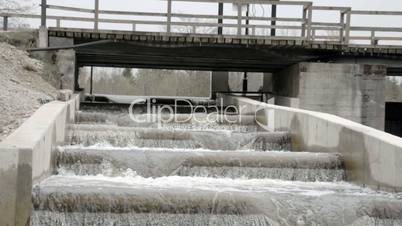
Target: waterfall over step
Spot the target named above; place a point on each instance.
(241, 123)
(274, 201)
(206, 163)
(115, 171)
(76, 218)
(88, 135)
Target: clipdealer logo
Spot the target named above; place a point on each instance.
(200, 114)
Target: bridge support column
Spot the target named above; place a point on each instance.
(43, 37)
(220, 82)
(268, 87)
(267, 83)
(64, 61)
(351, 91)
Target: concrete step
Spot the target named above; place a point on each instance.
(87, 135)
(174, 200)
(244, 123)
(124, 117)
(156, 162)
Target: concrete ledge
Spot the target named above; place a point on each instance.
(26, 157)
(372, 157)
(64, 95)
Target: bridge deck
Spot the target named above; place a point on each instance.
(226, 40)
(204, 52)
(206, 39)
(302, 28)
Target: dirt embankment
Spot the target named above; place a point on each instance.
(22, 88)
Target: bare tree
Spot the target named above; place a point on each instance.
(16, 6)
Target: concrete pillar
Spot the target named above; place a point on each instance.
(268, 87)
(43, 37)
(351, 91)
(267, 83)
(15, 186)
(65, 62)
(220, 82)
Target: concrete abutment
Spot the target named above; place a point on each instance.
(351, 91)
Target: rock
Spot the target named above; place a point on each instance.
(64, 95)
(44, 100)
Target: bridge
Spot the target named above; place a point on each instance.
(287, 163)
(221, 41)
(306, 59)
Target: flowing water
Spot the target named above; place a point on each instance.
(114, 171)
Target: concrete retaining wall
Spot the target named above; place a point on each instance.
(26, 157)
(372, 157)
(351, 91)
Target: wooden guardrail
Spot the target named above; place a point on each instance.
(302, 28)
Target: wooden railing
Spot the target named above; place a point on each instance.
(241, 25)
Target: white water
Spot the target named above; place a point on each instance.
(136, 198)
(130, 180)
(88, 135)
(274, 173)
(206, 163)
(199, 175)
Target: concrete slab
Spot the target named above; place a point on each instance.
(372, 157)
(26, 157)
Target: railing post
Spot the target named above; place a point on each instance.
(247, 20)
(169, 16)
(5, 23)
(273, 20)
(134, 27)
(347, 28)
(43, 13)
(220, 20)
(58, 23)
(309, 20)
(342, 30)
(313, 34)
(239, 19)
(374, 41)
(91, 82)
(303, 32)
(96, 15)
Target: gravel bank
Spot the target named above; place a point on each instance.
(22, 89)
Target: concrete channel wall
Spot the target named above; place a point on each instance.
(26, 157)
(372, 157)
